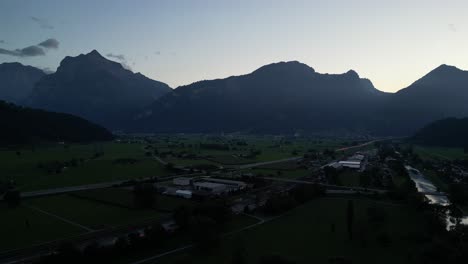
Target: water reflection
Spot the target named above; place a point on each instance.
(424, 185)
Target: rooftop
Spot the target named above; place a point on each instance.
(210, 185)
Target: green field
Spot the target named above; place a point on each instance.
(349, 178)
(440, 153)
(305, 236)
(91, 214)
(16, 233)
(24, 168)
(124, 198)
(271, 148)
(45, 219)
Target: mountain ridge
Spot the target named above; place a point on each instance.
(22, 125)
(17, 81)
(95, 88)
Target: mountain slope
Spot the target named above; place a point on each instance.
(291, 96)
(17, 81)
(97, 89)
(280, 97)
(450, 132)
(25, 125)
(441, 93)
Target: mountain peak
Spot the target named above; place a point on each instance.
(352, 73)
(444, 71)
(94, 53)
(285, 66)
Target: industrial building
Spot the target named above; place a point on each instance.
(182, 181)
(211, 187)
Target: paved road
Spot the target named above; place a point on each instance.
(327, 185)
(92, 186)
(359, 146)
(61, 218)
(251, 165)
(69, 189)
(158, 159)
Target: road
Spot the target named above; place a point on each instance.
(158, 159)
(351, 188)
(101, 185)
(361, 145)
(69, 189)
(251, 165)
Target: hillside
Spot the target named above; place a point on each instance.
(442, 93)
(17, 81)
(92, 87)
(22, 125)
(281, 97)
(450, 132)
(290, 96)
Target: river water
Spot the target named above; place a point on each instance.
(424, 185)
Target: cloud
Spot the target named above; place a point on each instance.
(50, 43)
(157, 52)
(452, 27)
(47, 70)
(34, 50)
(2, 41)
(121, 58)
(30, 51)
(43, 23)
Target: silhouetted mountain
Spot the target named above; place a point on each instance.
(97, 89)
(441, 93)
(450, 132)
(280, 97)
(291, 96)
(21, 125)
(17, 81)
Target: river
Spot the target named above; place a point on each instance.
(424, 185)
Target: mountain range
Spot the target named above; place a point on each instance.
(17, 81)
(290, 96)
(284, 97)
(97, 89)
(276, 98)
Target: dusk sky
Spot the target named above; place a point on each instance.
(393, 43)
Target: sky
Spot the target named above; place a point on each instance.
(392, 43)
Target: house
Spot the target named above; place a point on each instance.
(170, 226)
(211, 187)
(350, 164)
(182, 181)
(184, 193)
(232, 185)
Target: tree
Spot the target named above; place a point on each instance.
(144, 195)
(169, 166)
(204, 232)
(181, 216)
(306, 192)
(12, 198)
(458, 193)
(238, 256)
(274, 259)
(350, 218)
